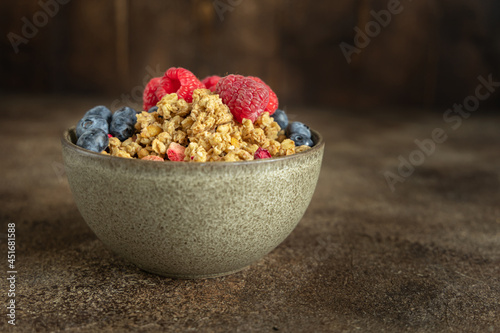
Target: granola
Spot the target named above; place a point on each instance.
(207, 130)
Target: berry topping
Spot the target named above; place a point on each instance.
(100, 111)
(180, 81)
(301, 140)
(245, 97)
(261, 153)
(126, 112)
(153, 158)
(153, 109)
(94, 139)
(160, 92)
(298, 127)
(89, 122)
(122, 128)
(281, 118)
(175, 152)
(273, 99)
(299, 133)
(210, 82)
(149, 96)
(122, 123)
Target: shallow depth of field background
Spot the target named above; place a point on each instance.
(429, 55)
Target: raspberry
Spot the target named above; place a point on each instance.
(175, 152)
(153, 158)
(180, 81)
(261, 153)
(210, 82)
(245, 97)
(149, 97)
(273, 99)
(160, 92)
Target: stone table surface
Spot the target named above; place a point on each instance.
(396, 238)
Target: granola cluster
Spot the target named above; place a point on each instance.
(205, 128)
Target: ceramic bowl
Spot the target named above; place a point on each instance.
(191, 220)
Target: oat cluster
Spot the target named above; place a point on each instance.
(206, 128)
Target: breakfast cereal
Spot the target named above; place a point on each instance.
(206, 128)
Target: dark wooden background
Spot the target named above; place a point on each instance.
(429, 55)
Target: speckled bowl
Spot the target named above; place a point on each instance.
(191, 220)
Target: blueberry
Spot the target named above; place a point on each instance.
(281, 118)
(123, 123)
(89, 122)
(301, 140)
(122, 127)
(94, 139)
(100, 111)
(153, 109)
(126, 112)
(298, 127)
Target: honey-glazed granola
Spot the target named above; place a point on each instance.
(205, 128)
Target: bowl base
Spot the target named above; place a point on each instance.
(193, 276)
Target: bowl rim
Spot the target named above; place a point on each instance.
(66, 140)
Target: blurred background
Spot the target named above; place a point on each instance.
(343, 53)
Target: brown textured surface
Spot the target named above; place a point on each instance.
(424, 258)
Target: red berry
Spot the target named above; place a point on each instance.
(245, 97)
(261, 153)
(160, 92)
(153, 158)
(181, 81)
(273, 99)
(210, 82)
(176, 152)
(149, 97)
